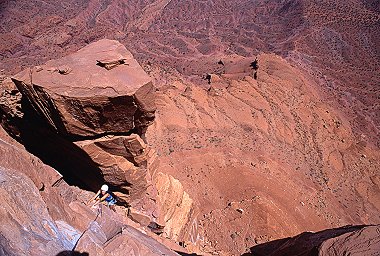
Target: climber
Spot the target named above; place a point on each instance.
(104, 195)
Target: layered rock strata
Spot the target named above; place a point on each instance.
(122, 161)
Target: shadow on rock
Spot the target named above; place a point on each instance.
(72, 253)
(71, 161)
(186, 254)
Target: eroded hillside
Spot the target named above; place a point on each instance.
(335, 41)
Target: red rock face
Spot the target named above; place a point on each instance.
(35, 218)
(365, 241)
(27, 227)
(42, 215)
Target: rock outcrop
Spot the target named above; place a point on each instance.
(82, 95)
(42, 215)
(92, 101)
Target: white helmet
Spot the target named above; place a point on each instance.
(104, 187)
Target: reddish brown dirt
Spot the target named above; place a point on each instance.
(296, 150)
(271, 148)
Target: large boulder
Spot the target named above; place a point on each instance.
(100, 89)
(96, 97)
(97, 102)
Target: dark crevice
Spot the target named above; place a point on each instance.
(38, 138)
(58, 149)
(72, 162)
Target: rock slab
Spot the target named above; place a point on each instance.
(26, 228)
